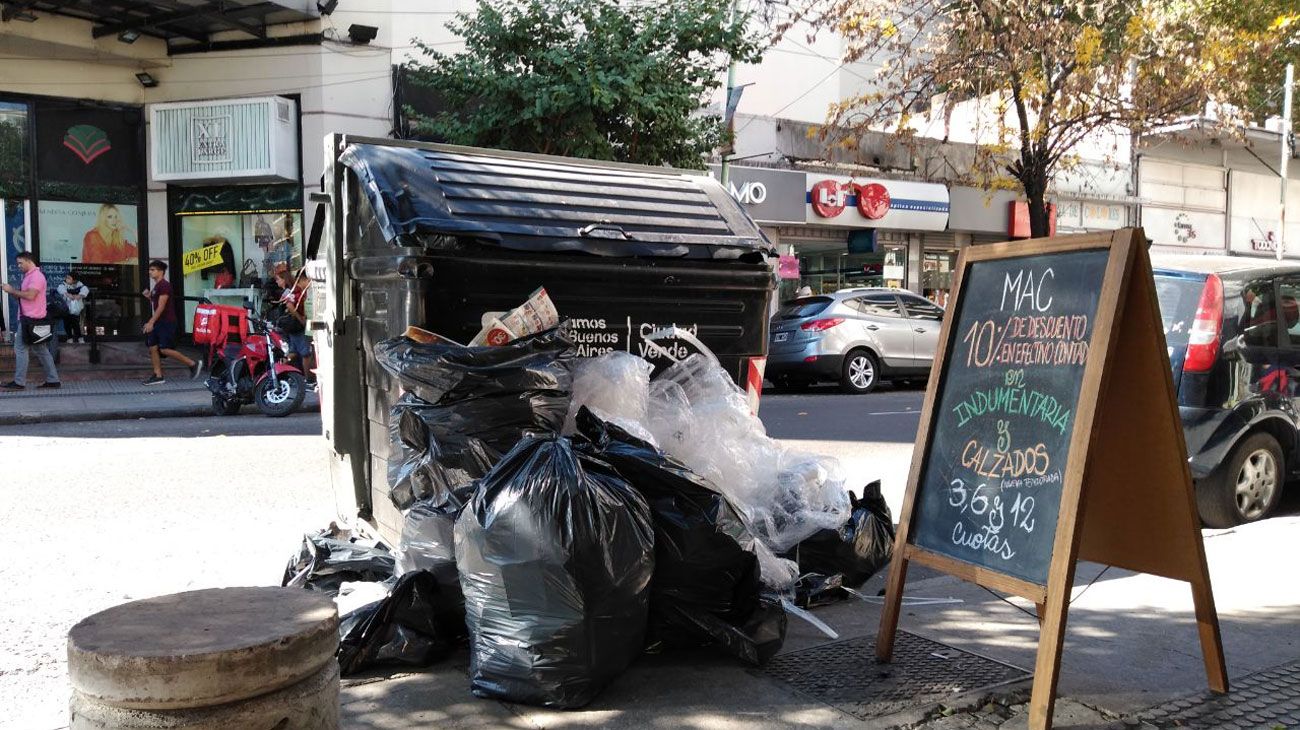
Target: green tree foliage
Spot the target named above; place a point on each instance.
(1277, 24)
(600, 79)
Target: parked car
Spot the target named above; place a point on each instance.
(1232, 326)
(855, 337)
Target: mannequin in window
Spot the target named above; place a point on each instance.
(223, 273)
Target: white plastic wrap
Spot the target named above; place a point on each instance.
(776, 573)
(698, 415)
(616, 387)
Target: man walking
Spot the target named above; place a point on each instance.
(160, 330)
(31, 309)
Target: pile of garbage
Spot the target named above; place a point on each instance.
(564, 514)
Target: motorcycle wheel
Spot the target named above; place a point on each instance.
(279, 399)
(224, 407)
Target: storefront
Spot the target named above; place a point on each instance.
(866, 232)
(1255, 226)
(234, 199)
(1085, 216)
(1184, 207)
(72, 191)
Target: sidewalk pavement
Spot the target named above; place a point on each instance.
(963, 658)
(105, 400)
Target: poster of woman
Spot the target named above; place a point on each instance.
(89, 233)
(108, 242)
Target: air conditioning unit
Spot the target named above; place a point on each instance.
(226, 140)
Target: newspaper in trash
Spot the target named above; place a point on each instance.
(534, 315)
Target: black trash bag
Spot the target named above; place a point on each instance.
(859, 548)
(467, 406)
(706, 583)
(555, 553)
(402, 629)
(428, 544)
(333, 556)
(443, 372)
(447, 447)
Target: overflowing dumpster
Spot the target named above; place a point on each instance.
(447, 238)
(533, 375)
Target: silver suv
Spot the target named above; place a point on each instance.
(855, 337)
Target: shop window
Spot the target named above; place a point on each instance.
(828, 272)
(249, 249)
(100, 243)
(15, 151)
(936, 275)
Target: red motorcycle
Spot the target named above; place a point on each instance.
(248, 362)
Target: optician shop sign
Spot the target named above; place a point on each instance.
(872, 203)
(768, 195)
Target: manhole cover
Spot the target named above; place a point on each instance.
(1268, 699)
(847, 676)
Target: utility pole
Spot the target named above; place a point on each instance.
(726, 105)
(1286, 156)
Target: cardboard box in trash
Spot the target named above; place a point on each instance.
(534, 315)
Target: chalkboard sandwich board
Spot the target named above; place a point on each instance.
(1050, 434)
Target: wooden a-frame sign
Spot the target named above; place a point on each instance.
(1125, 491)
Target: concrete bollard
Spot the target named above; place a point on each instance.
(213, 659)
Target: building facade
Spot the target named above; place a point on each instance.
(157, 132)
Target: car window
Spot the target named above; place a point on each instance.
(1289, 295)
(920, 308)
(1178, 298)
(1258, 323)
(806, 307)
(877, 305)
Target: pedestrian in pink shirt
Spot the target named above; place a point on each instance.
(31, 310)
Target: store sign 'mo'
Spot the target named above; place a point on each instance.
(210, 139)
(749, 193)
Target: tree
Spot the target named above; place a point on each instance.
(602, 79)
(1277, 21)
(1045, 75)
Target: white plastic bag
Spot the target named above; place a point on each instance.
(698, 415)
(616, 387)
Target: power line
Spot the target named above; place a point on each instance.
(808, 91)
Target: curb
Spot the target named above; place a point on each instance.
(186, 411)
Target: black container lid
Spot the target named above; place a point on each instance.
(551, 204)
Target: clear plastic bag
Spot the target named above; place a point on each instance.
(615, 385)
(698, 415)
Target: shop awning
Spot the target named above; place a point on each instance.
(171, 20)
(536, 203)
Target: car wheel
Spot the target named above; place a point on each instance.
(860, 372)
(1246, 487)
